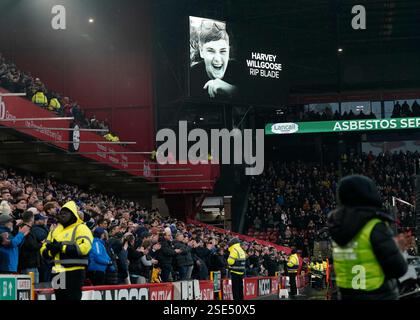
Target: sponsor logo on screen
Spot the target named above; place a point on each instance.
(285, 128)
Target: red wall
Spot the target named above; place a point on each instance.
(106, 67)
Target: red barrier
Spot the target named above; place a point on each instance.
(253, 288)
(227, 293)
(150, 291)
(209, 174)
(250, 288)
(108, 153)
(20, 108)
(241, 236)
(161, 291)
(283, 282)
(274, 285)
(207, 290)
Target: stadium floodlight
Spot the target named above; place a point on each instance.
(37, 119)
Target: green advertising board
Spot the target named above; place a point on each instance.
(342, 126)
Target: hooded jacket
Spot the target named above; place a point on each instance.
(98, 256)
(75, 243)
(359, 202)
(9, 253)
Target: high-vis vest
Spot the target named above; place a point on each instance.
(293, 263)
(39, 98)
(54, 105)
(77, 235)
(237, 259)
(355, 265)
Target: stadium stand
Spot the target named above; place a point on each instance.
(131, 246)
(16, 81)
(289, 202)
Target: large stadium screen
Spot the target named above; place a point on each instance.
(236, 63)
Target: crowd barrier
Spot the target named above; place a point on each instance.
(182, 290)
(242, 237)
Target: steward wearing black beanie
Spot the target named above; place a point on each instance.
(367, 260)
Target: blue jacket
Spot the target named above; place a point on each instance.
(98, 256)
(9, 255)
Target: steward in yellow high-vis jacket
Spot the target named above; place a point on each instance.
(292, 267)
(236, 266)
(68, 247)
(367, 260)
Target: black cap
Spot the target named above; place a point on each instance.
(358, 191)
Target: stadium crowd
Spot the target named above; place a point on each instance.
(132, 244)
(289, 202)
(16, 81)
(300, 113)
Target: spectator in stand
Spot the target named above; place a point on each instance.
(20, 206)
(5, 208)
(99, 259)
(40, 231)
(252, 263)
(29, 256)
(165, 255)
(405, 110)
(9, 244)
(184, 259)
(66, 109)
(218, 262)
(147, 264)
(416, 109)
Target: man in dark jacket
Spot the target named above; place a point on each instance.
(253, 263)
(218, 262)
(29, 256)
(367, 260)
(183, 260)
(165, 255)
(40, 230)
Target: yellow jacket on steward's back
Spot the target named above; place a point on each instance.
(68, 246)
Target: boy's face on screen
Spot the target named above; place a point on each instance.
(216, 58)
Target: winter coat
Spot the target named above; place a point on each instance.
(29, 255)
(98, 256)
(9, 253)
(184, 258)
